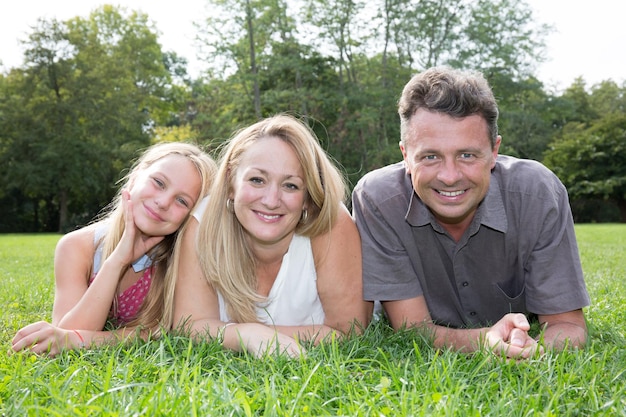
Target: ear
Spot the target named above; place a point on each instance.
(404, 157)
(495, 150)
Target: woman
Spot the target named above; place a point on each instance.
(115, 271)
(275, 257)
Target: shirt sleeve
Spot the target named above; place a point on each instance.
(388, 273)
(555, 281)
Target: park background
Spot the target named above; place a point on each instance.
(95, 90)
(92, 91)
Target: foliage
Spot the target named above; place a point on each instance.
(590, 158)
(93, 91)
(75, 115)
(380, 373)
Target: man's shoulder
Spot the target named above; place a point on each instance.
(386, 186)
(387, 179)
(524, 175)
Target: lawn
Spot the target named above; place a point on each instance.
(378, 374)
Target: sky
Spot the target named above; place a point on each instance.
(589, 37)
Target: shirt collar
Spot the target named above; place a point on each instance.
(142, 263)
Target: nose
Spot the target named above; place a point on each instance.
(271, 197)
(449, 172)
(163, 201)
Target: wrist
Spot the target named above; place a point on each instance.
(81, 341)
(221, 332)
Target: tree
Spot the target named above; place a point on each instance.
(86, 100)
(591, 161)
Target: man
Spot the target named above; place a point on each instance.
(461, 242)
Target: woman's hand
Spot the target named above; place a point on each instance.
(259, 340)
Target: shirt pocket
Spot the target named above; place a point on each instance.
(513, 291)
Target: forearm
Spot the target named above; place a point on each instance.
(92, 310)
(97, 338)
(311, 333)
(200, 329)
(460, 340)
(559, 336)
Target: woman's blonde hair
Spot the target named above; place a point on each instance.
(158, 301)
(225, 258)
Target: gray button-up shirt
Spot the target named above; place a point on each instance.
(518, 255)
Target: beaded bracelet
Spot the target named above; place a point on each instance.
(221, 331)
(82, 341)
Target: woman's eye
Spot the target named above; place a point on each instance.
(256, 180)
(158, 182)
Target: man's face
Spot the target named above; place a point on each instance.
(450, 162)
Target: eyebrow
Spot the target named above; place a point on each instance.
(285, 177)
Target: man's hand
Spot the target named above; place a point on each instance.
(509, 338)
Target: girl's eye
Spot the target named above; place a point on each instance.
(183, 202)
(158, 182)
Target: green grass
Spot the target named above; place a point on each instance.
(379, 373)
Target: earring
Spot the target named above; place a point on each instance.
(229, 205)
(304, 217)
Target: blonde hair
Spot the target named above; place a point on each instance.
(225, 258)
(159, 300)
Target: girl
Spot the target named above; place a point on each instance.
(115, 270)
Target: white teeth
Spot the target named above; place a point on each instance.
(451, 193)
(268, 217)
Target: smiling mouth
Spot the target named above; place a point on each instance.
(154, 214)
(451, 193)
(268, 216)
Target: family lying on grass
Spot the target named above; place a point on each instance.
(455, 241)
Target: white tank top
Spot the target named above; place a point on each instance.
(293, 299)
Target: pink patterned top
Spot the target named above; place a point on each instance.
(129, 302)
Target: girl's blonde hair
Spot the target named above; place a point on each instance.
(225, 258)
(159, 300)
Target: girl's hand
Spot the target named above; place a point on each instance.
(44, 338)
(133, 244)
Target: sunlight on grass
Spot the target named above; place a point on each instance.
(381, 373)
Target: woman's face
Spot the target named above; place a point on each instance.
(163, 195)
(269, 192)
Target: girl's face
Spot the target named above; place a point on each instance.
(163, 194)
(269, 193)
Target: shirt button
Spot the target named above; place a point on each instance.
(465, 284)
(473, 313)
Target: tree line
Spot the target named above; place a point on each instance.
(94, 91)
